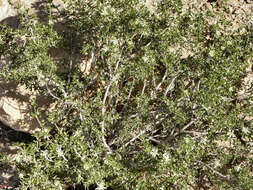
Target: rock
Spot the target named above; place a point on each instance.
(16, 110)
(6, 10)
(8, 13)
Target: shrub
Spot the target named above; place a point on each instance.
(142, 115)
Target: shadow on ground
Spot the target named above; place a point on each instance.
(14, 136)
(8, 173)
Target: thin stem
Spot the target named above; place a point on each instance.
(163, 79)
(171, 85)
(103, 109)
(143, 88)
(134, 138)
(185, 127)
(215, 171)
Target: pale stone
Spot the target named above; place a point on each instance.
(11, 107)
(5, 10)
(16, 110)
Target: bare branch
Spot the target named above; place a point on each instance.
(65, 96)
(134, 115)
(171, 85)
(143, 88)
(49, 91)
(163, 79)
(188, 125)
(215, 171)
(173, 134)
(134, 138)
(195, 132)
(154, 140)
(130, 92)
(184, 128)
(71, 61)
(103, 109)
(94, 79)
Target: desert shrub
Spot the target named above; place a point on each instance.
(144, 115)
(3, 161)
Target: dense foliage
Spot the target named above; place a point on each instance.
(142, 115)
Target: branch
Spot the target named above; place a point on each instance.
(130, 92)
(65, 96)
(215, 171)
(154, 140)
(188, 125)
(173, 135)
(163, 79)
(103, 109)
(134, 138)
(143, 88)
(171, 85)
(71, 61)
(49, 91)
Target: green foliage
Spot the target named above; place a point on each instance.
(3, 161)
(146, 116)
